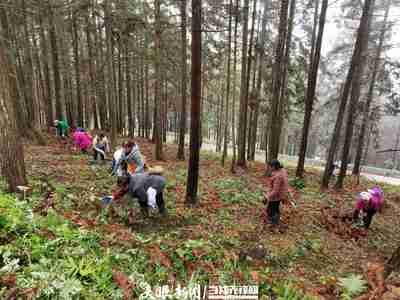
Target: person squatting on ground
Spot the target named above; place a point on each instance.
(279, 192)
(101, 146)
(62, 128)
(367, 204)
(147, 188)
(82, 139)
(128, 159)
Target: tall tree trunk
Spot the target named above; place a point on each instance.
(55, 61)
(284, 98)
(139, 94)
(314, 32)
(77, 71)
(120, 89)
(228, 88)
(220, 108)
(248, 76)
(100, 101)
(165, 112)
(278, 68)
(355, 91)
(234, 84)
(147, 103)
(243, 91)
(193, 168)
(311, 86)
(110, 72)
(12, 156)
(91, 108)
(28, 72)
(345, 93)
(46, 71)
(142, 101)
(157, 89)
(13, 78)
(261, 66)
(128, 85)
(40, 84)
(370, 95)
(66, 63)
(182, 120)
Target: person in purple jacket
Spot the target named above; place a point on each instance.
(368, 203)
(82, 140)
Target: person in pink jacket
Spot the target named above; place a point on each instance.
(82, 140)
(368, 203)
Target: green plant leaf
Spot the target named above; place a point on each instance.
(352, 285)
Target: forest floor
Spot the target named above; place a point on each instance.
(62, 243)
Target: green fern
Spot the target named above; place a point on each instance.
(352, 285)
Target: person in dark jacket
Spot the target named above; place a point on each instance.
(279, 191)
(147, 188)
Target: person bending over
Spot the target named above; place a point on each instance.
(146, 188)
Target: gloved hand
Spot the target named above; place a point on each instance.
(107, 200)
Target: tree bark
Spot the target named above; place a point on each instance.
(278, 67)
(228, 88)
(193, 168)
(243, 91)
(11, 150)
(345, 93)
(355, 90)
(233, 164)
(13, 80)
(46, 71)
(261, 49)
(147, 102)
(121, 115)
(370, 95)
(182, 120)
(311, 86)
(55, 61)
(28, 72)
(91, 108)
(77, 71)
(157, 88)
(128, 81)
(284, 97)
(247, 117)
(110, 72)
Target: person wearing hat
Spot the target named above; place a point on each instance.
(128, 160)
(62, 128)
(147, 188)
(279, 191)
(368, 203)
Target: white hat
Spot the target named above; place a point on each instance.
(365, 196)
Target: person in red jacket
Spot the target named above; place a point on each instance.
(279, 191)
